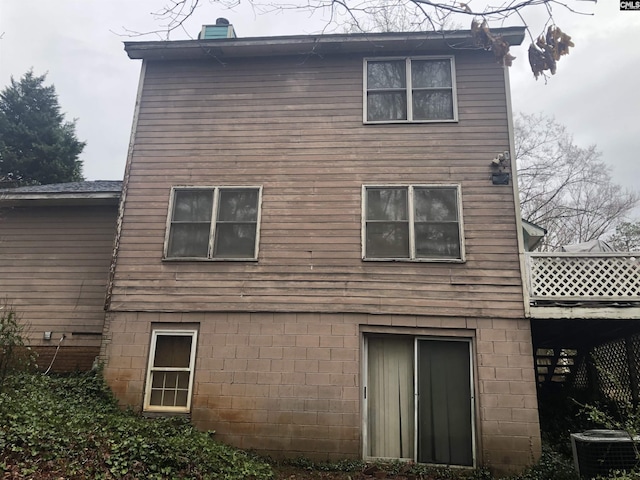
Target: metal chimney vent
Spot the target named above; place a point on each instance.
(222, 29)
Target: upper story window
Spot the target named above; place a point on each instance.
(215, 223)
(410, 90)
(414, 222)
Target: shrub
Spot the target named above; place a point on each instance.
(552, 466)
(14, 354)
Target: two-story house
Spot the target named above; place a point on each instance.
(312, 257)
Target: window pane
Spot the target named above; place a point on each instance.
(430, 73)
(189, 240)
(169, 398)
(387, 204)
(390, 397)
(386, 106)
(435, 204)
(173, 351)
(386, 74)
(170, 380)
(181, 398)
(170, 389)
(445, 433)
(439, 240)
(235, 240)
(432, 105)
(387, 240)
(157, 380)
(156, 397)
(238, 205)
(192, 205)
(183, 380)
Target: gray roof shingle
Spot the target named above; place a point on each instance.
(94, 186)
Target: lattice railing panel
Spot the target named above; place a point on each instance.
(608, 277)
(612, 366)
(581, 377)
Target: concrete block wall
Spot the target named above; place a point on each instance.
(289, 383)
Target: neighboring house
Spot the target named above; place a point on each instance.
(56, 244)
(312, 257)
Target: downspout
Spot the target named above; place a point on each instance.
(516, 197)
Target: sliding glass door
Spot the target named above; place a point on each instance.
(419, 399)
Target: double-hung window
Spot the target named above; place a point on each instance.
(213, 223)
(412, 222)
(170, 371)
(410, 90)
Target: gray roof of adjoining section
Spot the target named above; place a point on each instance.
(97, 192)
(75, 187)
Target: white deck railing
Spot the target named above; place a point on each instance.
(583, 277)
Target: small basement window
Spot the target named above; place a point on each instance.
(170, 371)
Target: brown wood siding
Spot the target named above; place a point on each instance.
(55, 263)
(294, 125)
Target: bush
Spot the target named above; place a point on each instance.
(552, 466)
(14, 354)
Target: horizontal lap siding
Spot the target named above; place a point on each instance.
(294, 126)
(55, 263)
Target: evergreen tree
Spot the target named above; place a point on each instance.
(37, 145)
(627, 237)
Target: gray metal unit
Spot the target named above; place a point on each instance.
(599, 452)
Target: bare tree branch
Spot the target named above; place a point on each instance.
(547, 45)
(565, 188)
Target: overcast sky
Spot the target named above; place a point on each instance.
(596, 92)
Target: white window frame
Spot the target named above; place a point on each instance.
(212, 232)
(409, 89)
(151, 369)
(411, 214)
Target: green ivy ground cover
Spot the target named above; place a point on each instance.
(71, 427)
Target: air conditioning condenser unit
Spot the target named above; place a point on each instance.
(599, 452)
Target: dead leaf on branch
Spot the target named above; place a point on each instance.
(544, 53)
(547, 50)
(483, 37)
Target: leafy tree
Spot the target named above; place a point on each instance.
(565, 188)
(37, 145)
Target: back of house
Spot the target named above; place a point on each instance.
(316, 256)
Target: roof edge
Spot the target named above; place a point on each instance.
(61, 195)
(314, 44)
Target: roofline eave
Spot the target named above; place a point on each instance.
(366, 43)
(53, 199)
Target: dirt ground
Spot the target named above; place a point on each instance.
(293, 473)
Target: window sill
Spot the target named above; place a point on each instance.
(416, 260)
(386, 122)
(165, 413)
(199, 259)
